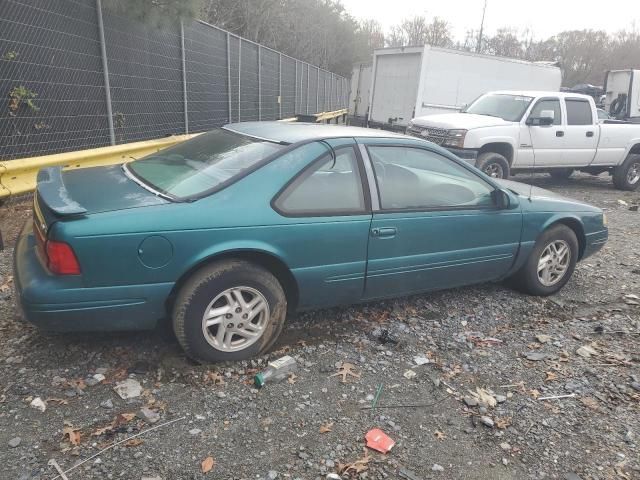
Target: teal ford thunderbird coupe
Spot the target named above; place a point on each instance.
(226, 233)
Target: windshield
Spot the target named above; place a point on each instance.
(202, 163)
(508, 107)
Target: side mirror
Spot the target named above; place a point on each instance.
(501, 199)
(464, 107)
(545, 119)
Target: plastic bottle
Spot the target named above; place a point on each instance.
(276, 371)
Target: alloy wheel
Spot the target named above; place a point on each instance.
(494, 170)
(554, 262)
(235, 319)
(633, 175)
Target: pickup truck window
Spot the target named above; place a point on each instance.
(578, 112)
(548, 104)
(508, 107)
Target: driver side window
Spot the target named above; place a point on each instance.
(411, 178)
(548, 104)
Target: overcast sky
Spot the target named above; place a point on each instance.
(543, 17)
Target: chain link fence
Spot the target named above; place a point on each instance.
(75, 76)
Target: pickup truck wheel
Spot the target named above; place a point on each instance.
(227, 311)
(627, 175)
(561, 173)
(550, 264)
(493, 164)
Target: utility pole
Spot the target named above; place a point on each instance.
(479, 45)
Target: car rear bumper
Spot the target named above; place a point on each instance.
(63, 303)
(594, 242)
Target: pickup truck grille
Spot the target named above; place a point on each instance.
(432, 134)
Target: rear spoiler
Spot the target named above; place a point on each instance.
(54, 194)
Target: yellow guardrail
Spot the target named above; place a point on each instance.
(324, 116)
(19, 176)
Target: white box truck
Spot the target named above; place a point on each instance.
(410, 82)
(360, 90)
(622, 94)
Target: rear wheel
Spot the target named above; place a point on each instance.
(230, 310)
(493, 164)
(561, 173)
(550, 264)
(627, 175)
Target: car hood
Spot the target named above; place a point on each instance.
(466, 121)
(541, 195)
(90, 190)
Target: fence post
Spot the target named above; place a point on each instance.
(280, 86)
(317, 89)
(259, 83)
(105, 71)
(184, 79)
(308, 85)
(229, 76)
(239, 76)
(295, 91)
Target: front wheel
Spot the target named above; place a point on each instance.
(627, 175)
(550, 264)
(561, 173)
(229, 310)
(493, 164)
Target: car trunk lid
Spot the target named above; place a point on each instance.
(80, 192)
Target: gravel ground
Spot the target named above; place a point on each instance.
(511, 350)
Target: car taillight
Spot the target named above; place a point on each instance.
(60, 258)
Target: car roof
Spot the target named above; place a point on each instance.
(540, 93)
(294, 132)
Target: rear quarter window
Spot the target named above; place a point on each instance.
(579, 112)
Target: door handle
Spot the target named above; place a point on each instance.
(384, 232)
(559, 133)
(589, 134)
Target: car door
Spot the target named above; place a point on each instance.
(581, 139)
(325, 219)
(435, 224)
(542, 145)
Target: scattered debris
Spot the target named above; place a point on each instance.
(38, 404)
(326, 427)
(357, 467)
(409, 374)
(276, 370)
(14, 442)
(542, 338)
(586, 351)
(487, 421)
(148, 415)
(71, 433)
(128, 388)
(420, 360)
(535, 356)
(556, 397)
(379, 441)
(437, 468)
(207, 464)
(484, 397)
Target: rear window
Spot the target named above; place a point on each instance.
(578, 112)
(201, 164)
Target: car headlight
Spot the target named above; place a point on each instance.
(455, 138)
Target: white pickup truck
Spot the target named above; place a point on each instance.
(509, 132)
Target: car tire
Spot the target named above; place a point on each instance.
(226, 291)
(561, 173)
(493, 164)
(530, 279)
(627, 176)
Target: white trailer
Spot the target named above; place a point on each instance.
(622, 94)
(409, 82)
(360, 90)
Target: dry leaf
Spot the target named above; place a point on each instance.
(439, 435)
(534, 393)
(503, 422)
(207, 464)
(214, 377)
(292, 378)
(326, 427)
(551, 376)
(118, 421)
(590, 402)
(484, 397)
(59, 401)
(357, 467)
(345, 370)
(72, 433)
(6, 286)
(134, 442)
